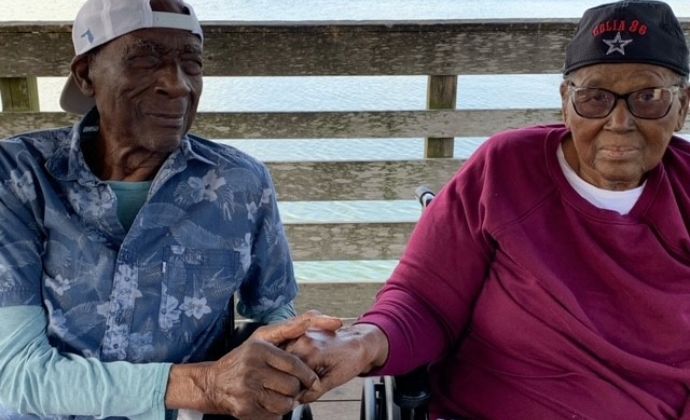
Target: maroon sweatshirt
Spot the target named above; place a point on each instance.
(531, 303)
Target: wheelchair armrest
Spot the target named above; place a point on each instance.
(412, 390)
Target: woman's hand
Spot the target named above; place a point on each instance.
(339, 356)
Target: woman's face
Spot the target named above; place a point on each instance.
(616, 151)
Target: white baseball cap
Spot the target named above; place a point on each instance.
(101, 21)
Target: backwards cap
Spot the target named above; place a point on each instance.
(101, 21)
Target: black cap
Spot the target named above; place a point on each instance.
(629, 31)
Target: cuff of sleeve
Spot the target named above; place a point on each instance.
(157, 409)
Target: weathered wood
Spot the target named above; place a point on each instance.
(348, 241)
(35, 49)
(442, 92)
(350, 391)
(271, 125)
(19, 94)
(331, 48)
(16, 123)
(343, 300)
(341, 403)
(435, 147)
(335, 410)
(376, 180)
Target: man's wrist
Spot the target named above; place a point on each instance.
(186, 387)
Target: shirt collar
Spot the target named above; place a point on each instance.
(68, 162)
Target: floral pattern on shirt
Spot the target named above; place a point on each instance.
(169, 313)
(22, 185)
(206, 188)
(156, 293)
(195, 307)
(59, 284)
(91, 202)
(125, 289)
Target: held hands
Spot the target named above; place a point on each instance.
(257, 380)
(338, 356)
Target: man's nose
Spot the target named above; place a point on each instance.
(173, 81)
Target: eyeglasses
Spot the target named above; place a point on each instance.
(648, 104)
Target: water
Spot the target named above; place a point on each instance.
(339, 9)
(347, 93)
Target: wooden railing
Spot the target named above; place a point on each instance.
(440, 50)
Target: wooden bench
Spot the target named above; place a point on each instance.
(440, 50)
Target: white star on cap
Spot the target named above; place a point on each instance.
(617, 44)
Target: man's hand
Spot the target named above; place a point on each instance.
(339, 356)
(257, 380)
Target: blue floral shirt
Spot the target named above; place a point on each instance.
(159, 292)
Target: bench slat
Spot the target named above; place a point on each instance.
(377, 180)
(331, 48)
(348, 241)
(298, 125)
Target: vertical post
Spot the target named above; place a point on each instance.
(19, 94)
(442, 92)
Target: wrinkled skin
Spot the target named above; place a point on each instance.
(614, 152)
(146, 85)
(257, 380)
(339, 356)
(617, 151)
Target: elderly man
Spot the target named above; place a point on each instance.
(124, 239)
(551, 277)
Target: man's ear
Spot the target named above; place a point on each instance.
(684, 97)
(80, 71)
(564, 101)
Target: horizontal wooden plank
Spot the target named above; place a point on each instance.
(350, 391)
(331, 48)
(13, 123)
(348, 241)
(35, 49)
(335, 410)
(422, 48)
(369, 124)
(375, 180)
(272, 125)
(304, 125)
(343, 300)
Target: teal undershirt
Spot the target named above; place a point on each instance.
(131, 196)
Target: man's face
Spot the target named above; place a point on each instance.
(616, 151)
(147, 85)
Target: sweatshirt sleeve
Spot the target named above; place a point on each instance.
(426, 305)
(37, 379)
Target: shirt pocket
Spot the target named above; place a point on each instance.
(198, 285)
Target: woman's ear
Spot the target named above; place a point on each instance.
(80, 72)
(684, 97)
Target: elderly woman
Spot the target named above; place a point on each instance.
(551, 276)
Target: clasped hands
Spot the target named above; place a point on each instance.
(284, 364)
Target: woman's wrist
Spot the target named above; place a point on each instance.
(373, 345)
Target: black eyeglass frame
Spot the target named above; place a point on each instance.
(674, 89)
